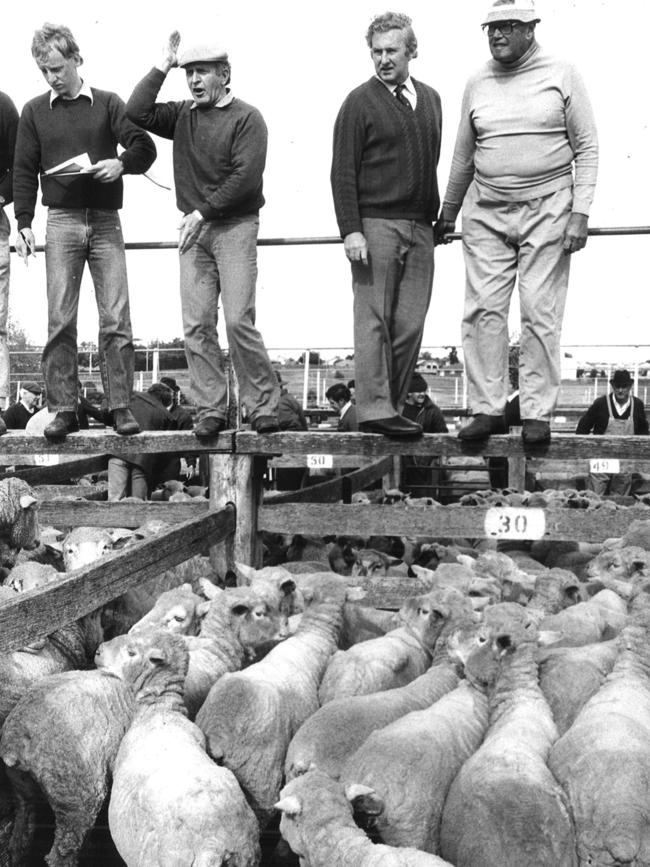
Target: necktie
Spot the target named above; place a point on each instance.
(399, 96)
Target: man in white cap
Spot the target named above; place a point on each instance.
(219, 158)
(524, 171)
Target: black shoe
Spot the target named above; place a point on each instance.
(393, 426)
(535, 432)
(124, 422)
(210, 426)
(61, 425)
(265, 424)
(481, 426)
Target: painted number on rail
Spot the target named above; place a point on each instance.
(320, 462)
(515, 523)
(604, 465)
(45, 460)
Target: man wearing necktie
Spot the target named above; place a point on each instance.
(385, 189)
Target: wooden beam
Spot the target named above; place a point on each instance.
(330, 491)
(562, 446)
(42, 611)
(55, 474)
(68, 492)
(437, 521)
(237, 479)
(105, 441)
(124, 513)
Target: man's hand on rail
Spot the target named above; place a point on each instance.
(442, 229)
(575, 234)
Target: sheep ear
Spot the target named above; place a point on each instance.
(364, 800)
(357, 790)
(548, 637)
(287, 585)
(26, 501)
(118, 534)
(289, 805)
(422, 572)
(208, 588)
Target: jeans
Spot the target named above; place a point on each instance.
(391, 299)
(506, 243)
(223, 262)
(4, 306)
(75, 236)
(126, 480)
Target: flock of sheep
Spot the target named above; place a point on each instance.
(501, 718)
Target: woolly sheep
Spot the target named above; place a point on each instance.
(599, 619)
(603, 760)
(318, 825)
(394, 659)
(331, 735)
(170, 804)
(63, 737)
(249, 717)
(18, 514)
(505, 807)
(29, 576)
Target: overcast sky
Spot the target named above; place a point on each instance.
(296, 62)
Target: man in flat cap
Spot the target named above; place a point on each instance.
(19, 413)
(524, 171)
(617, 413)
(219, 158)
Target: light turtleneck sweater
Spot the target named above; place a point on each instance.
(522, 127)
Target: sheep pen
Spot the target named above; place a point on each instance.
(236, 519)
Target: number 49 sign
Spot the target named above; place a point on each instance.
(511, 523)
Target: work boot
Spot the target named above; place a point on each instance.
(534, 431)
(62, 424)
(124, 422)
(210, 426)
(481, 426)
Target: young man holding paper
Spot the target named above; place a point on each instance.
(69, 138)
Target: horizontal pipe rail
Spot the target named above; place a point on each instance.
(605, 231)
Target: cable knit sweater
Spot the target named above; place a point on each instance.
(385, 156)
(522, 127)
(8, 129)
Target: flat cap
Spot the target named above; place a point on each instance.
(209, 52)
(512, 10)
(34, 387)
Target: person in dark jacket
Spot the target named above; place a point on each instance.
(421, 475)
(18, 414)
(290, 413)
(133, 474)
(340, 399)
(617, 413)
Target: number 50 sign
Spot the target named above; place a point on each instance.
(515, 523)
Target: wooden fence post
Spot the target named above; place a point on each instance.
(393, 478)
(237, 479)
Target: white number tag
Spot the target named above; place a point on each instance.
(46, 460)
(604, 465)
(515, 523)
(320, 462)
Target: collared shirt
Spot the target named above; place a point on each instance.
(84, 91)
(225, 100)
(621, 407)
(344, 409)
(408, 91)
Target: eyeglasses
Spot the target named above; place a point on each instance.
(504, 27)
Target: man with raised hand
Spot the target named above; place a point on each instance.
(68, 138)
(385, 188)
(219, 158)
(524, 171)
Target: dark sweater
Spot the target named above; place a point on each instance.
(16, 416)
(48, 136)
(596, 418)
(8, 129)
(385, 156)
(219, 153)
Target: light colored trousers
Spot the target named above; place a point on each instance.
(391, 298)
(503, 241)
(4, 307)
(126, 479)
(222, 263)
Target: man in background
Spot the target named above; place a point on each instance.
(219, 157)
(617, 413)
(8, 130)
(385, 189)
(77, 123)
(340, 399)
(422, 474)
(19, 413)
(526, 123)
